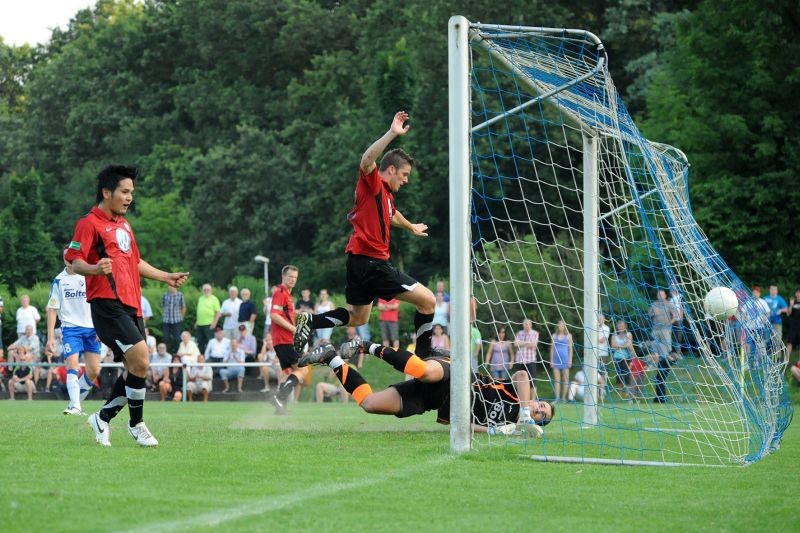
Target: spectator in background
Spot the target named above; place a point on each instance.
(172, 382)
(351, 334)
(441, 312)
(268, 309)
(188, 349)
(499, 355)
(31, 340)
(22, 377)
(325, 390)
(663, 315)
(603, 337)
(577, 387)
(762, 304)
(638, 370)
(362, 331)
(476, 343)
(561, 352)
(1, 326)
(229, 313)
(440, 288)
(777, 307)
(108, 374)
(795, 370)
(660, 381)
(217, 348)
(173, 306)
(208, 308)
(622, 352)
(158, 368)
(677, 327)
(27, 315)
(234, 358)
(147, 310)
(793, 316)
(247, 312)
(152, 344)
(390, 322)
(199, 379)
(323, 306)
(271, 366)
(305, 304)
(248, 344)
(527, 342)
(439, 339)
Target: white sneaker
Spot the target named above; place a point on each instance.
(102, 431)
(142, 435)
(72, 410)
(533, 429)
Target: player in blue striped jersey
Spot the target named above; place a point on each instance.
(68, 303)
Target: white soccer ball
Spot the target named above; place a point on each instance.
(721, 303)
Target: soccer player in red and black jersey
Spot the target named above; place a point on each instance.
(498, 405)
(370, 273)
(104, 250)
(283, 328)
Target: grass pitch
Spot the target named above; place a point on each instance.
(238, 467)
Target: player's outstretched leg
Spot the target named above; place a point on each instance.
(402, 360)
(321, 355)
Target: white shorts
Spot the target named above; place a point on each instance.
(197, 386)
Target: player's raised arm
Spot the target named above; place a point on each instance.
(397, 128)
(398, 220)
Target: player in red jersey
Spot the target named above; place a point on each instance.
(370, 273)
(104, 250)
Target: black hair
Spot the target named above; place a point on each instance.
(110, 177)
(395, 158)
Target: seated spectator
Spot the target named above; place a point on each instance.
(217, 348)
(172, 383)
(326, 391)
(108, 374)
(187, 349)
(248, 344)
(271, 367)
(22, 378)
(31, 340)
(158, 368)
(577, 387)
(199, 379)
(235, 355)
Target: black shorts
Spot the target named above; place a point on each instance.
(286, 355)
(117, 326)
(369, 278)
(793, 338)
(419, 397)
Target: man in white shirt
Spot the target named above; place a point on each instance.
(527, 341)
(217, 348)
(157, 370)
(235, 355)
(27, 315)
(230, 312)
(199, 379)
(147, 311)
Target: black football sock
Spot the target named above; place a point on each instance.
(116, 400)
(331, 319)
(353, 382)
(402, 360)
(287, 387)
(423, 324)
(135, 391)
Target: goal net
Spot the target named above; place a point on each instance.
(561, 211)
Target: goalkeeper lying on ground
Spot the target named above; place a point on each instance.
(498, 406)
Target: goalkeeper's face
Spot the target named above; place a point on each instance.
(398, 176)
(542, 412)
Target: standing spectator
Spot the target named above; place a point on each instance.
(283, 329)
(323, 306)
(172, 382)
(476, 342)
(173, 306)
(208, 308)
(761, 303)
(441, 312)
(660, 380)
(793, 315)
(27, 315)
(147, 310)
(499, 355)
(662, 316)
(440, 289)
(188, 349)
(22, 377)
(305, 304)
(247, 312)
(234, 358)
(440, 339)
(271, 366)
(199, 379)
(561, 351)
(603, 339)
(622, 353)
(217, 348)
(677, 327)
(777, 307)
(527, 342)
(158, 368)
(267, 309)
(150, 341)
(230, 313)
(390, 322)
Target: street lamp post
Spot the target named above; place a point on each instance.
(265, 261)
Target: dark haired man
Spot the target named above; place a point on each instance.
(283, 330)
(498, 406)
(104, 250)
(370, 273)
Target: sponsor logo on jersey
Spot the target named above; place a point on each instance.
(123, 240)
(74, 293)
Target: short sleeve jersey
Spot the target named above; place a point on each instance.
(98, 235)
(390, 315)
(282, 304)
(68, 298)
(371, 216)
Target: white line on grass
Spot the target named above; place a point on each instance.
(277, 502)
